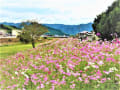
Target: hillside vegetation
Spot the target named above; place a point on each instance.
(7, 27)
(53, 31)
(108, 23)
(71, 29)
(66, 29)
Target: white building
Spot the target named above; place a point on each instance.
(16, 32)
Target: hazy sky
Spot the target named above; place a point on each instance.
(52, 11)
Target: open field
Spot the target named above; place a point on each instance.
(8, 49)
(65, 64)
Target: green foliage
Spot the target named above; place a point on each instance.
(53, 31)
(6, 27)
(73, 36)
(118, 27)
(23, 37)
(107, 23)
(32, 32)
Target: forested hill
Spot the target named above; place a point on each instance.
(71, 29)
(67, 29)
(53, 31)
(108, 22)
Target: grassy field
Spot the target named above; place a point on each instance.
(7, 50)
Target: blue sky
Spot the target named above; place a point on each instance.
(52, 11)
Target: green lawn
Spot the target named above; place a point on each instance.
(11, 49)
(7, 50)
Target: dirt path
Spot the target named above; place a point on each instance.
(48, 42)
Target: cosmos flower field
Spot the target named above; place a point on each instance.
(66, 64)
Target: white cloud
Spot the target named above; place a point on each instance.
(70, 11)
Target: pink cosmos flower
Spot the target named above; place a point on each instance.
(76, 74)
(34, 81)
(38, 87)
(31, 56)
(37, 57)
(45, 78)
(103, 80)
(106, 72)
(2, 81)
(57, 65)
(84, 75)
(81, 71)
(53, 87)
(80, 79)
(46, 69)
(98, 34)
(26, 81)
(99, 73)
(93, 78)
(86, 80)
(54, 82)
(72, 86)
(42, 86)
(71, 66)
(110, 59)
(13, 86)
(118, 75)
(49, 72)
(95, 66)
(34, 76)
(63, 82)
(41, 67)
(69, 74)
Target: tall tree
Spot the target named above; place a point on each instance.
(107, 22)
(32, 31)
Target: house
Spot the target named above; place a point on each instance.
(85, 35)
(6, 31)
(16, 32)
(3, 32)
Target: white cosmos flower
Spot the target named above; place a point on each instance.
(16, 72)
(12, 77)
(91, 63)
(113, 69)
(26, 76)
(100, 63)
(86, 67)
(22, 73)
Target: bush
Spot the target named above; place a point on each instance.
(23, 40)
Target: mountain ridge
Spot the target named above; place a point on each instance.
(67, 29)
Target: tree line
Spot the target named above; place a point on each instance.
(108, 22)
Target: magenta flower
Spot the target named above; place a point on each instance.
(99, 73)
(31, 56)
(103, 80)
(72, 86)
(86, 80)
(46, 69)
(106, 72)
(45, 78)
(118, 75)
(98, 34)
(80, 79)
